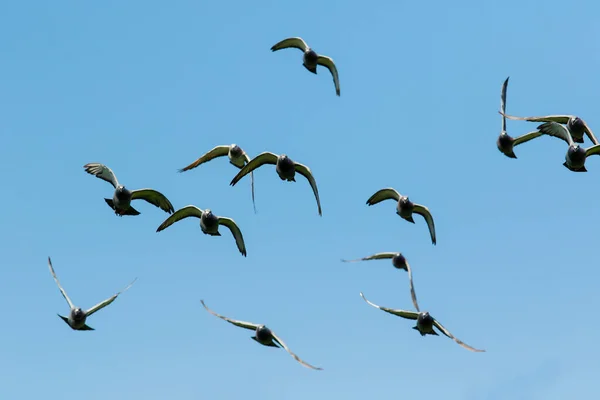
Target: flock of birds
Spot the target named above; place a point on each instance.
(567, 127)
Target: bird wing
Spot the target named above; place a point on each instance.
(526, 137)
(593, 150)
(218, 151)
(589, 133)
(557, 130)
(153, 197)
(330, 65)
(383, 194)
(103, 172)
(242, 324)
(106, 302)
(282, 344)
(561, 119)
(187, 211)
(306, 172)
(447, 333)
(263, 158)
(295, 42)
(247, 158)
(503, 103)
(400, 313)
(64, 293)
(237, 233)
(424, 212)
(378, 256)
(412, 287)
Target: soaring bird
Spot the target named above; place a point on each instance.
(405, 208)
(505, 142)
(576, 155)
(121, 201)
(285, 167)
(398, 261)
(262, 335)
(237, 157)
(209, 224)
(425, 323)
(310, 58)
(77, 316)
(576, 126)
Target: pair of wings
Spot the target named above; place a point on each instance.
(251, 326)
(95, 308)
(382, 256)
(392, 194)
(193, 211)
(327, 62)
(271, 158)
(150, 195)
(219, 151)
(519, 139)
(414, 315)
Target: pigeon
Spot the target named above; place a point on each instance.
(576, 155)
(285, 167)
(263, 335)
(310, 59)
(398, 261)
(121, 201)
(237, 158)
(405, 208)
(505, 142)
(209, 223)
(425, 323)
(77, 316)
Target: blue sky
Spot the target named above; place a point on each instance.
(146, 87)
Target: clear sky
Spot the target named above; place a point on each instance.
(146, 87)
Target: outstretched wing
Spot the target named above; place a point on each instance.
(153, 197)
(218, 151)
(282, 344)
(447, 333)
(103, 172)
(503, 103)
(400, 313)
(187, 211)
(237, 233)
(557, 130)
(262, 158)
(589, 133)
(241, 324)
(383, 194)
(328, 63)
(561, 119)
(526, 137)
(424, 211)
(378, 256)
(106, 302)
(306, 172)
(412, 287)
(64, 293)
(294, 42)
(247, 158)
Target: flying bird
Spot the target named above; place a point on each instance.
(263, 335)
(398, 261)
(209, 224)
(405, 208)
(576, 155)
(576, 126)
(121, 201)
(285, 167)
(237, 158)
(77, 316)
(505, 142)
(425, 323)
(310, 59)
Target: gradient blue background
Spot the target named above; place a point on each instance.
(146, 87)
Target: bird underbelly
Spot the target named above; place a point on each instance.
(238, 162)
(121, 204)
(286, 175)
(210, 229)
